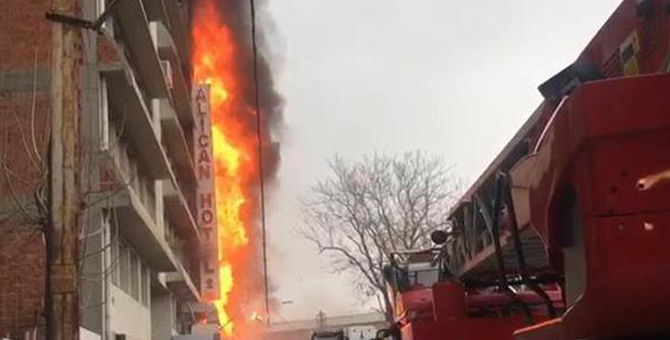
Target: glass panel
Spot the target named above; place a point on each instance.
(114, 252)
(124, 266)
(134, 277)
(145, 284)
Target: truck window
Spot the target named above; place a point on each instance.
(424, 277)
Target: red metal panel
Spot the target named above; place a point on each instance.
(628, 125)
(608, 136)
(627, 283)
(449, 302)
(415, 301)
(621, 124)
(451, 322)
(619, 163)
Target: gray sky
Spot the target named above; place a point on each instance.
(455, 78)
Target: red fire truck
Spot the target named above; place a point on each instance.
(565, 235)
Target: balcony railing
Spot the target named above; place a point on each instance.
(175, 141)
(179, 211)
(131, 173)
(131, 18)
(156, 10)
(133, 195)
(177, 27)
(126, 99)
(180, 248)
(169, 51)
(184, 280)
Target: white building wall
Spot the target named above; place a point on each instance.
(162, 317)
(129, 316)
(85, 334)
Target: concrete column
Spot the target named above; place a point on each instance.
(162, 314)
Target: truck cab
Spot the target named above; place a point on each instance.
(430, 304)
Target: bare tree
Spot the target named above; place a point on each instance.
(365, 211)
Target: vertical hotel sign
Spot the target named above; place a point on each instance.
(204, 158)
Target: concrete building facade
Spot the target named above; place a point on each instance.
(140, 243)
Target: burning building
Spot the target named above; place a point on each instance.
(144, 257)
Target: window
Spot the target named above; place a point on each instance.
(426, 277)
(144, 289)
(174, 304)
(134, 276)
(413, 276)
(115, 252)
(103, 106)
(124, 267)
(166, 226)
(423, 274)
(100, 6)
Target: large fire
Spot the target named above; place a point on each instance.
(235, 161)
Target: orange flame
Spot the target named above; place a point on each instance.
(234, 154)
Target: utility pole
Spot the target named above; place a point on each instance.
(62, 292)
(261, 172)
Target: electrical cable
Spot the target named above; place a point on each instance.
(259, 136)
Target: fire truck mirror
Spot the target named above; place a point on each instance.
(439, 237)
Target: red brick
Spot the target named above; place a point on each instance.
(25, 33)
(24, 28)
(106, 51)
(22, 284)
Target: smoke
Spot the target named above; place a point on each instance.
(236, 14)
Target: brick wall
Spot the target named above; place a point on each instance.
(25, 76)
(24, 136)
(24, 30)
(22, 279)
(21, 242)
(25, 53)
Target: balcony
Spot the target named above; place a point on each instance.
(126, 99)
(179, 212)
(135, 204)
(182, 172)
(140, 44)
(156, 10)
(181, 281)
(176, 142)
(168, 50)
(177, 27)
